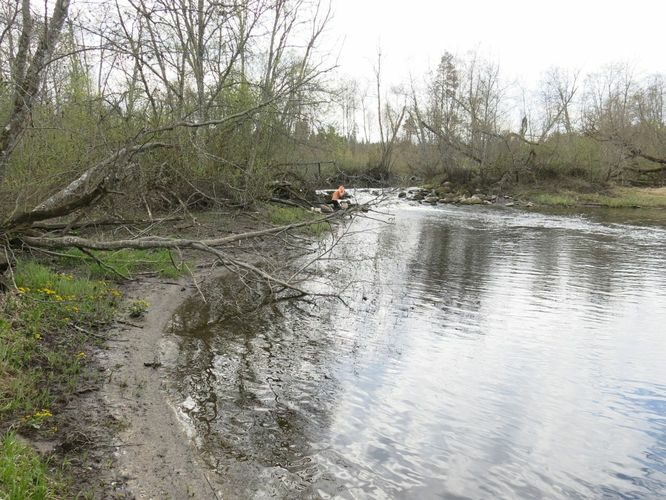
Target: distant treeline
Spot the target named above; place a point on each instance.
(231, 96)
(463, 121)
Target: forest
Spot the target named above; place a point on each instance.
(182, 102)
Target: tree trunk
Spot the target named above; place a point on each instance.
(27, 88)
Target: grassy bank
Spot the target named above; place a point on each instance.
(26, 475)
(615, 197)
(49, 325)
(123, 263)
(280, 216)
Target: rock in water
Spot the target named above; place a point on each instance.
(472, 200)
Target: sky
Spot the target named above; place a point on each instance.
(526, 37)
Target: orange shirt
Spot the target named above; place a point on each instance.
(338, 193)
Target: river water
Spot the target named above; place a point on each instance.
(482, 353)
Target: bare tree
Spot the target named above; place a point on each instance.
(27, 73)
(191, 57)
(626, 118)
(389, 121)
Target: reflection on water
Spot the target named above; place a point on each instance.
(487, 353)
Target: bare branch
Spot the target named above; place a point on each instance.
(157, 242)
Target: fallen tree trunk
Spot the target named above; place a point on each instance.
(107, 171)
(210, 246)
(101, 222)
(85, 190)
(632, 151)
(158, 242)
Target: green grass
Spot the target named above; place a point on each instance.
(126, 262)
(43, 344)
(41, 349)
(282, 216)
(23, 475)
(556, 200)
(615, 198)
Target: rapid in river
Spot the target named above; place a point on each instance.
(480, 352)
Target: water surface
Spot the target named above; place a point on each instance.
(485, 353)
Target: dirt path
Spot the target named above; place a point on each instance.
(156, 457)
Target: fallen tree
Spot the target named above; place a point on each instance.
(50, 223)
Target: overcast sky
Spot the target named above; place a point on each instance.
(526, 37)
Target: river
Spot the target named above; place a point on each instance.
(481, 352)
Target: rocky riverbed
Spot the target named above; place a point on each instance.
(447, 194)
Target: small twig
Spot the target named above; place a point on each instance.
(88, 332)
(173, 262)
(123, 322)
(286, 202)
(102, 264)
(86, 390)
(211, 487)
(121, 445)
(194, 280)
(9, 266)
(57, 254)
(145, 202)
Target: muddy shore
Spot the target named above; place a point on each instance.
(122, 435)
(155, 456)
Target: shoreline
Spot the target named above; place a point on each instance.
(615, 198)
(128, 438)
(155, 456)
(106, 428)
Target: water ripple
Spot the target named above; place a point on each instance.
(487, 354)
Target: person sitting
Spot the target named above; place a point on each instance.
(337, 195)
